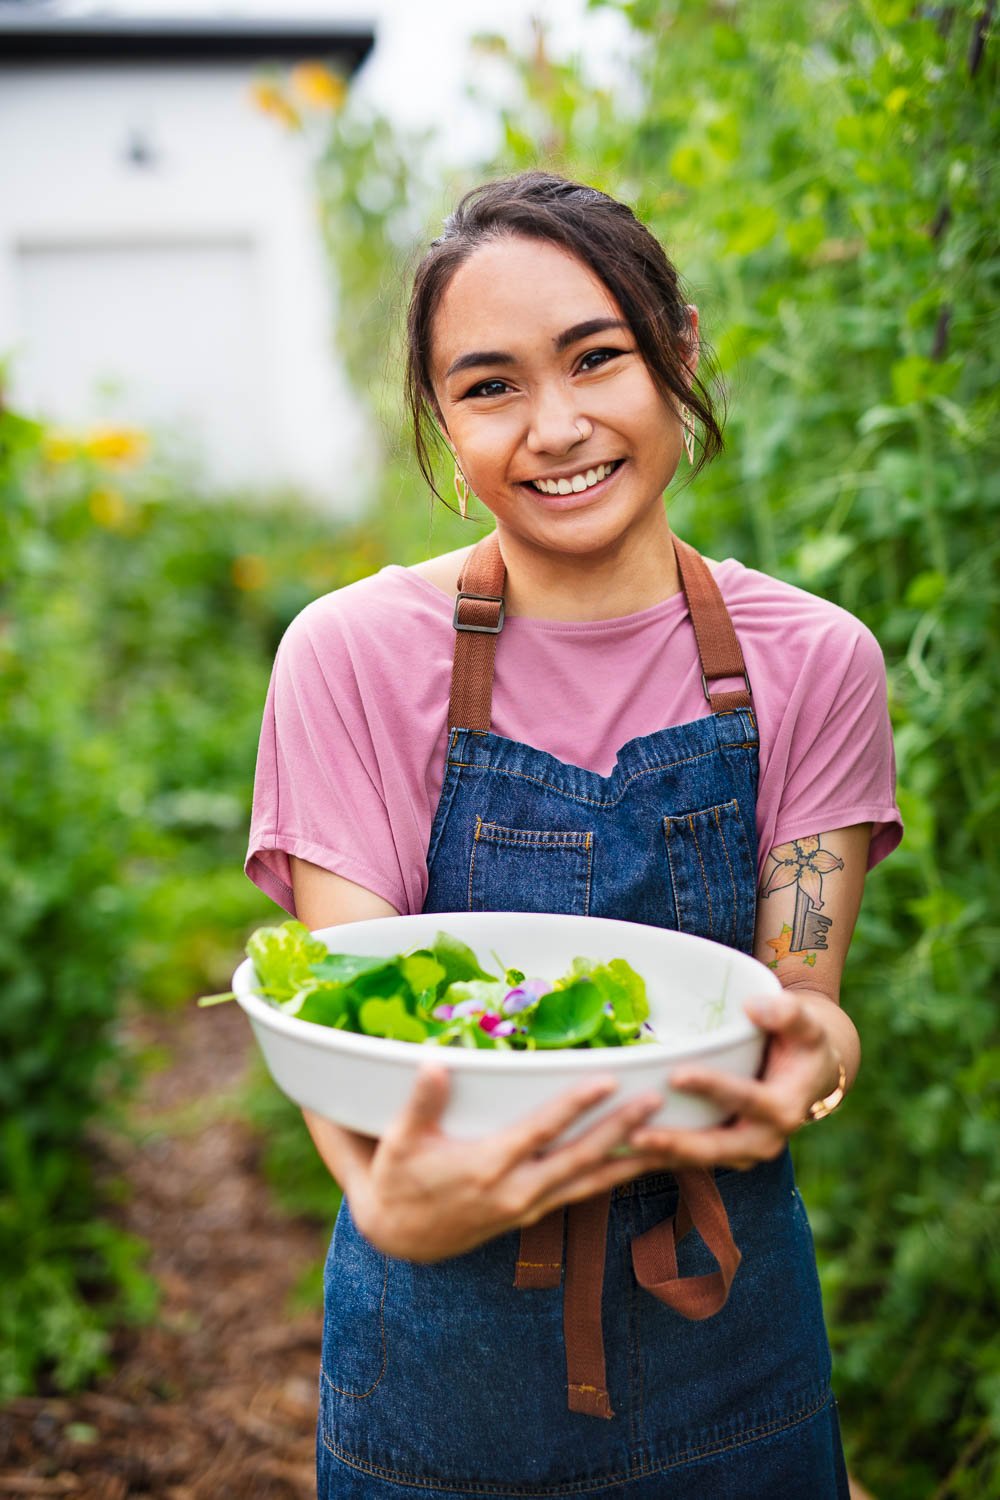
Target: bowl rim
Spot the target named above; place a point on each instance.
(559, 1059)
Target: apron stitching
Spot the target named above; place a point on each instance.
(634, 1328)
(704, 876)
(581, 1487)
(361, 1395)
(598, 801)
(729, 866)
(472, 861)
(667, 826)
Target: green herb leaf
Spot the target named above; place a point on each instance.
(568, 1017)
(390, 1018)
(345, 968)
(322, 1001)
(457, 959)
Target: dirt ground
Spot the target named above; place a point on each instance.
(216, 1400)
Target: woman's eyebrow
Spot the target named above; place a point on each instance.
(560, 342)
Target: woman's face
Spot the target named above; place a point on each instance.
(527, 392)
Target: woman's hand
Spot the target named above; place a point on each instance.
(801, 1066)
(418, 1194)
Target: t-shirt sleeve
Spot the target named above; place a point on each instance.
(317, 788)
(836, 745)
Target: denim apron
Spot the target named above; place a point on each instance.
(450, 1379)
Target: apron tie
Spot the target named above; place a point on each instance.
(654, 1263)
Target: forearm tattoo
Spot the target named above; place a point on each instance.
(801, 863)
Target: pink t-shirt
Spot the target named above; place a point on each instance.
(352, 748)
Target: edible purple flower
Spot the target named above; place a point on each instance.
(466, 1008)
(504, 1028)
(443, 1012)
(490, 1021)
(523, 995)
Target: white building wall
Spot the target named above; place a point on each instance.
(188, 295)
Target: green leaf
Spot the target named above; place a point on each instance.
(323, 1001)
(345, 968)
(568, 1017)
(390, 1018)
(457, 959)
(422, 972)
(489, 992)
(283, 958)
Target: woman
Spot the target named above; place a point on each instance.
(635, 733)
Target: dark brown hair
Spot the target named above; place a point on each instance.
(601, 232)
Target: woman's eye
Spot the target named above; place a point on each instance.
(600, 354)
(478, 390)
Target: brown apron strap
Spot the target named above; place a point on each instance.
(478, 620)
(540, 1252)
(586, 1245)
(713, 630)
(479, 617)
(654, 1254)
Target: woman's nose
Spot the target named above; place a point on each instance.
(556, 423)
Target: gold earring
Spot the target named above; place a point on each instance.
(462, 491)
(688, 421)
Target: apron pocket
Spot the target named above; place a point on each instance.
(355, 1282)
(530, 869)
(713, 874)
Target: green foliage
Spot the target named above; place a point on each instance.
(824, 176)
(137, 632)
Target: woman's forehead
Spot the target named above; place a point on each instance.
(517, 290)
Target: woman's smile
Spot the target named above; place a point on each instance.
(594, 487)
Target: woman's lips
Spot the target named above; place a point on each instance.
(575, 499)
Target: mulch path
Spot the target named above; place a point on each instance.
(217, 1397)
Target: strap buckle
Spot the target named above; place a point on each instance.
(746, 682)
(486, 599)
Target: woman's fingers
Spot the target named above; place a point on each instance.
(597, 1180)
(785, 1014)
(530, 1135)
(748, 1098)
(592, 1150)
(739, 1145)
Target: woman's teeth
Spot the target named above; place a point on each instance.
(576, 483)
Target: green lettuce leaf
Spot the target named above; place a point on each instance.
(283, 958)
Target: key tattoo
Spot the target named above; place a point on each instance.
(801, 863)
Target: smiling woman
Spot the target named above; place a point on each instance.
(579, 714)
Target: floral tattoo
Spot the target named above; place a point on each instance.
(801, 863)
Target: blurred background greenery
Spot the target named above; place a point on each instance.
(825, 178)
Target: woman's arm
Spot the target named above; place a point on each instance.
(809, 899)
(323, 899)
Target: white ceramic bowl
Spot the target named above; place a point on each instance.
(696, 991)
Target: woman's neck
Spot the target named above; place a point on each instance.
(640, 570)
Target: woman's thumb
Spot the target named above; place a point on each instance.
(427, 1099)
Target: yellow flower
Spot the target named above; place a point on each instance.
(271, 101)
(116, 445)
(108, 508)
(317, 86)
(803, 863)
(249, 571)
(59, 448)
